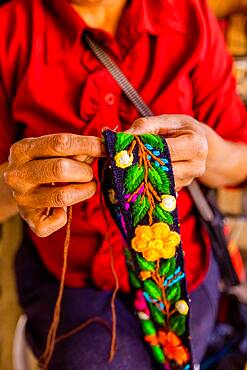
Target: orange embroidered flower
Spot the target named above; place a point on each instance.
(156, 241)
(144, 275)
(173, 347)
(152, 339)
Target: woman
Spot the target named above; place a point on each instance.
(56, 97)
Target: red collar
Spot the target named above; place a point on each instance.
(139, 16)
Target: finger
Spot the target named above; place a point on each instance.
(84, 158)
(185, 172)
(46, 171)
(42, 224)
(155, 125)
(56, 145)
(187, 147)
(54, 196)
(166, 124)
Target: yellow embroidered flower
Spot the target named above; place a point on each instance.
(182, 307)
(123, 159)
(168, 203)
(156, 241)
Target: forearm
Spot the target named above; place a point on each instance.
(226, 8)
(226, 163)
(8, 206)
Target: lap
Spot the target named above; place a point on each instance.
(89, 348)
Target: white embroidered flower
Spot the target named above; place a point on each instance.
(182, 307)
(123, 159)
(168, 203)
(142, 316)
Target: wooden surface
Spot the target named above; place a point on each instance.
(9, 309)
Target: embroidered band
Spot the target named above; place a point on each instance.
(138, 187)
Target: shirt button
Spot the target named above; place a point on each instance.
(110, 99)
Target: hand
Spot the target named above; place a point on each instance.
(186, 140)
(36, 164)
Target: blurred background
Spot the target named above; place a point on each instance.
(232, 15)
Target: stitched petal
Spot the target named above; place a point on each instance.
(160, 230)
(139, 244)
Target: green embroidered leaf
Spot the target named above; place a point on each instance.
(157, 315)
(140, 209)
(173, 293)
(158, 354)
(148, 327)
(162, 215)
(159, 180)
(134, 281)
(152, 289)
(153, 140)
(178, 324)
(123, 141)
(168, 267)
(145, 265)
(134, 178)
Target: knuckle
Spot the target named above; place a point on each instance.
(62, 198)
(88, 173)
(203, 147)
(140, 122)
(15, 149)
(91, 190)
(60, 168)
(61, 142)
(200, 146)
(188, 181)
(10, 177)
(38, 229)
(19, 198)
(201, 169)
(195, 144)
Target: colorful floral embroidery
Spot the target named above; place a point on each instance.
(156, 241)
(142, 200)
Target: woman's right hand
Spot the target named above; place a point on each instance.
(49, 173)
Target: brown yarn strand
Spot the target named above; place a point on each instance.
(51, 341)
(51, 337)
(113, 305)
(81, 327)
(114, 294)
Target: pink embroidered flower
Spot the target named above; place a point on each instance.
(140, 304)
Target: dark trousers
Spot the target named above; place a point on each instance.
(88, 349)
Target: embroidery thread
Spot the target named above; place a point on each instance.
(142, 200)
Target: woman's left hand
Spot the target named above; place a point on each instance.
(187, 142)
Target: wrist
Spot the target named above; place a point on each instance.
(226, 161)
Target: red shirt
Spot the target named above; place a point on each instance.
(50, 82)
